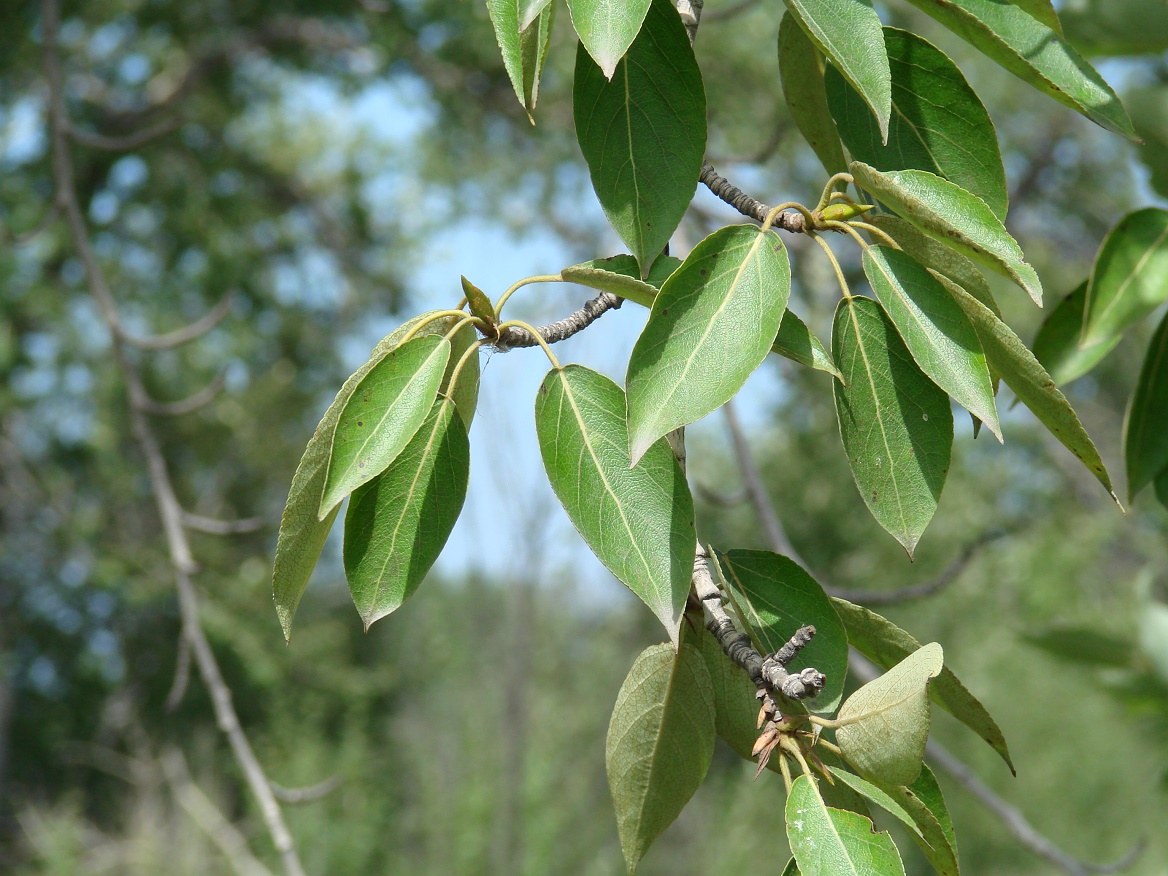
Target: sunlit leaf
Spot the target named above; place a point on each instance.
(660, 742)
(835, 842)
(1145, 430)
(953, 216)
(523, 50)
(607, 28)
(643, 134)
(896, 424)
(1030, 50)
(639, 521)
(478, 302)
(1130, 276)
(876, 795)
(1044, 11)
(621, 276)
(711, 326)
(886, 644)
(529, 10)
(796, 342)
(935, 329)
(938, 123)
(1056, 346)
(885, 724)
(848, 32)
(801, 68)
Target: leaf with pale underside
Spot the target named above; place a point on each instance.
(835, 842)
(660, 741)
(886, 644)
(885, 724)
(1056, 346)
(1017, 366)
(302, 533)
(938, 123)
(621, 276)
(801, 69)
(639, 521)
(935, 329)
(398, 523)
(382, 415)
(524, 48)
(1035, 53)
(950, 214)
(643, 134)
(796, 342)
(925, 803)
(775, 596)
(1130, 276)
(848, 32)
(712, 324)
(607, 28)
(896, 424)
(529, 10)
(1145, 429)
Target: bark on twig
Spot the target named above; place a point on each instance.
(514, 336)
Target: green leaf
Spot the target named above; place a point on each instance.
(885, 724)
(848, 32)
(886, 644)
(478, 302)
(1056, 346)
(801, 69)
(711, 326)
(953, 216)
(1083, 646)
(1116, 27)
(1034, 53)
(1161, 487)
(775, 597)
(621, 276)
(835, 842)
(398, 523)
(1130, 276)
(1043, 10)
(896, 424)
(938, 124)
(607, 28)
(643, 134)
(797, 343)
(792, 869)
(302, 533)
(935, 329)
(1145, 429)
(1149, 112)
(523, 49)
(878, 796)
(925, 804)
(660, 742)
(1009, 357)
(529, 10)
(638, 521)
(382, 415)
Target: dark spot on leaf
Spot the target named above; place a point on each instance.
(702, 272)
(360, 465)
(360, 422)
(542, 389)
(664, 310)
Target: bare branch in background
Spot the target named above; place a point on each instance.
(212, 526)
(308, 794)
(187, 333)
(127, 142)
(188, 405)
(182, 676)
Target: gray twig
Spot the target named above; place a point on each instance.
(213, 526)
(308, 794)
(514, 336)
(726, 191)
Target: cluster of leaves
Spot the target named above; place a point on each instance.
(891, 114)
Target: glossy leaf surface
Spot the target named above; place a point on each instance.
(953, 216)
(801, 68)
(796, 342)
(712, 324)
(935, 329)
(1056, 346)
(896, 424)
(660, 742)
(775, 596)
(639, 521)
(1130, 276)
(835, 842)
(1145, 431)
(607, 28)
(398, 523)
(886, 644)
(643, 134)
(938, 123)
(885, 724)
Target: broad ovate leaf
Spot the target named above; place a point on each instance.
(398, 523)
(1130, 276)
(302, 532)
(1035, 53)
(896, 424)
(935, 329)
(938, 123)
(774, 597)
(660, 742)
(382, 415)
(1008, 356)
(796, 342)
(1056, 346)
(712, 324)
(1145, 431)
(801, 68)
(949, 213)
(524, 48)
(621, 276)
(886, 644)
(835, 842)
(643, 134)
(885, 724)
(639, 521)
(848, 32)
(607, 28)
